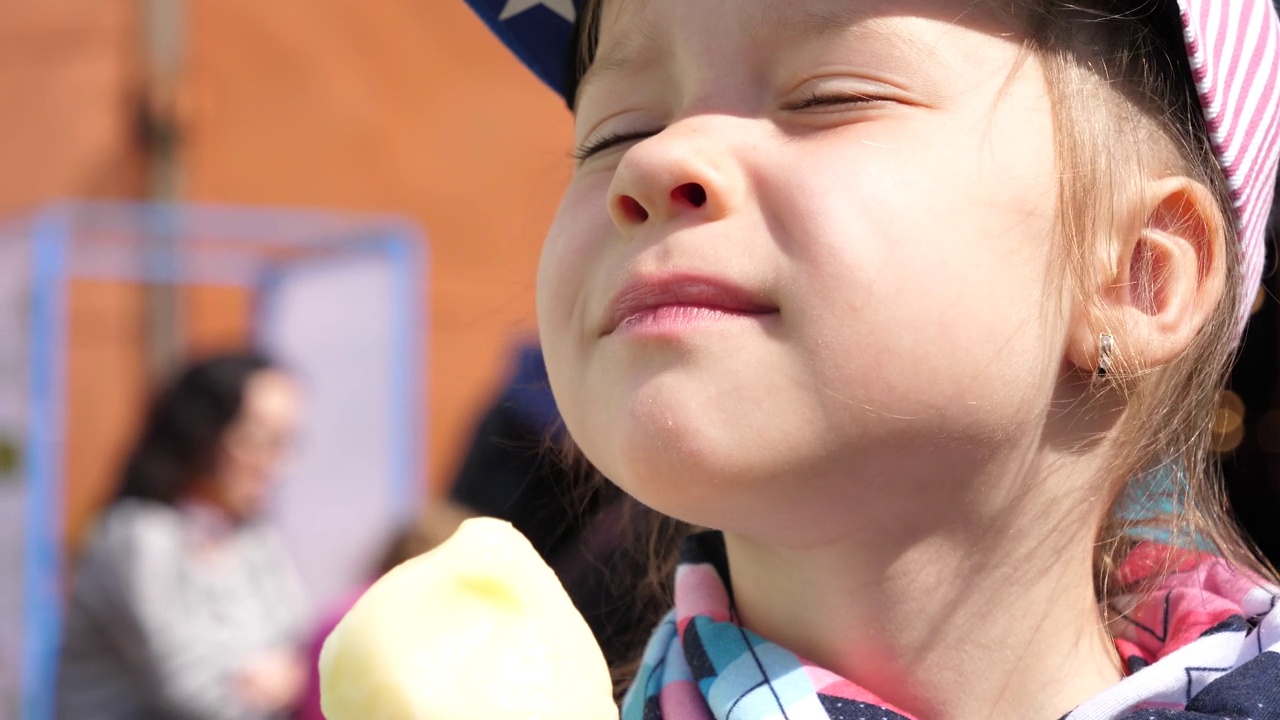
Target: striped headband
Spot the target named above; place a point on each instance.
(1233, 47)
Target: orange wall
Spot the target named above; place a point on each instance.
(391, 106)
(69, 89)
(408, 107)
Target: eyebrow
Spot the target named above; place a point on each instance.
(642, 45)
(789, 26)
(637, 48)
(776, 19)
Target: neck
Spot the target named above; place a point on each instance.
(210, 517)
(975, 619)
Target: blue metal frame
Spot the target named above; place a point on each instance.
(43, 565)
(411, 264)
(312, 233)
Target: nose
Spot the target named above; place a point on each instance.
(685, 172)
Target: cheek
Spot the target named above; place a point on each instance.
(563, 267)
(576, 238)
(932, 272)
(571, 249)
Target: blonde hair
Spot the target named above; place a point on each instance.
(1135, 59)
(1150, 115)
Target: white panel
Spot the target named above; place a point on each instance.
(332, 323)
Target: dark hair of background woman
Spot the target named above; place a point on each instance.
(185, 427)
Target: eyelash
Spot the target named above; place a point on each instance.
(608, 140)
(598, 145)
(828, 100)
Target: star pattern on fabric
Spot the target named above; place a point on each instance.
(563, 8)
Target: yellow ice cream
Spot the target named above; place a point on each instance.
(477, 629)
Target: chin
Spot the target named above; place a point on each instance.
(704, 478)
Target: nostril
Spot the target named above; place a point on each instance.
(632, 210)
(692, 194)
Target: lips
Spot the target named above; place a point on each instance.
(645, 296)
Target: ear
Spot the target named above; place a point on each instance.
(1163, 282)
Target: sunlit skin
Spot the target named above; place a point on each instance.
(839, 219)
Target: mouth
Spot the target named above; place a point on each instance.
(673, 301)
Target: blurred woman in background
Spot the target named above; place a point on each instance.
(184, 604)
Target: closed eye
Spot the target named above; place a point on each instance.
(599, 144)
(830, 100)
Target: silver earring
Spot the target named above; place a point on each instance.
(1106, 344)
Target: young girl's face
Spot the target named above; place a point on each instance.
(809, 254)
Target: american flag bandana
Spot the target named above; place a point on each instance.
(1233, 46)
(1205, 644)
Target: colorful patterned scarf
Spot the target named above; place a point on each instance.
(1205, 644)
